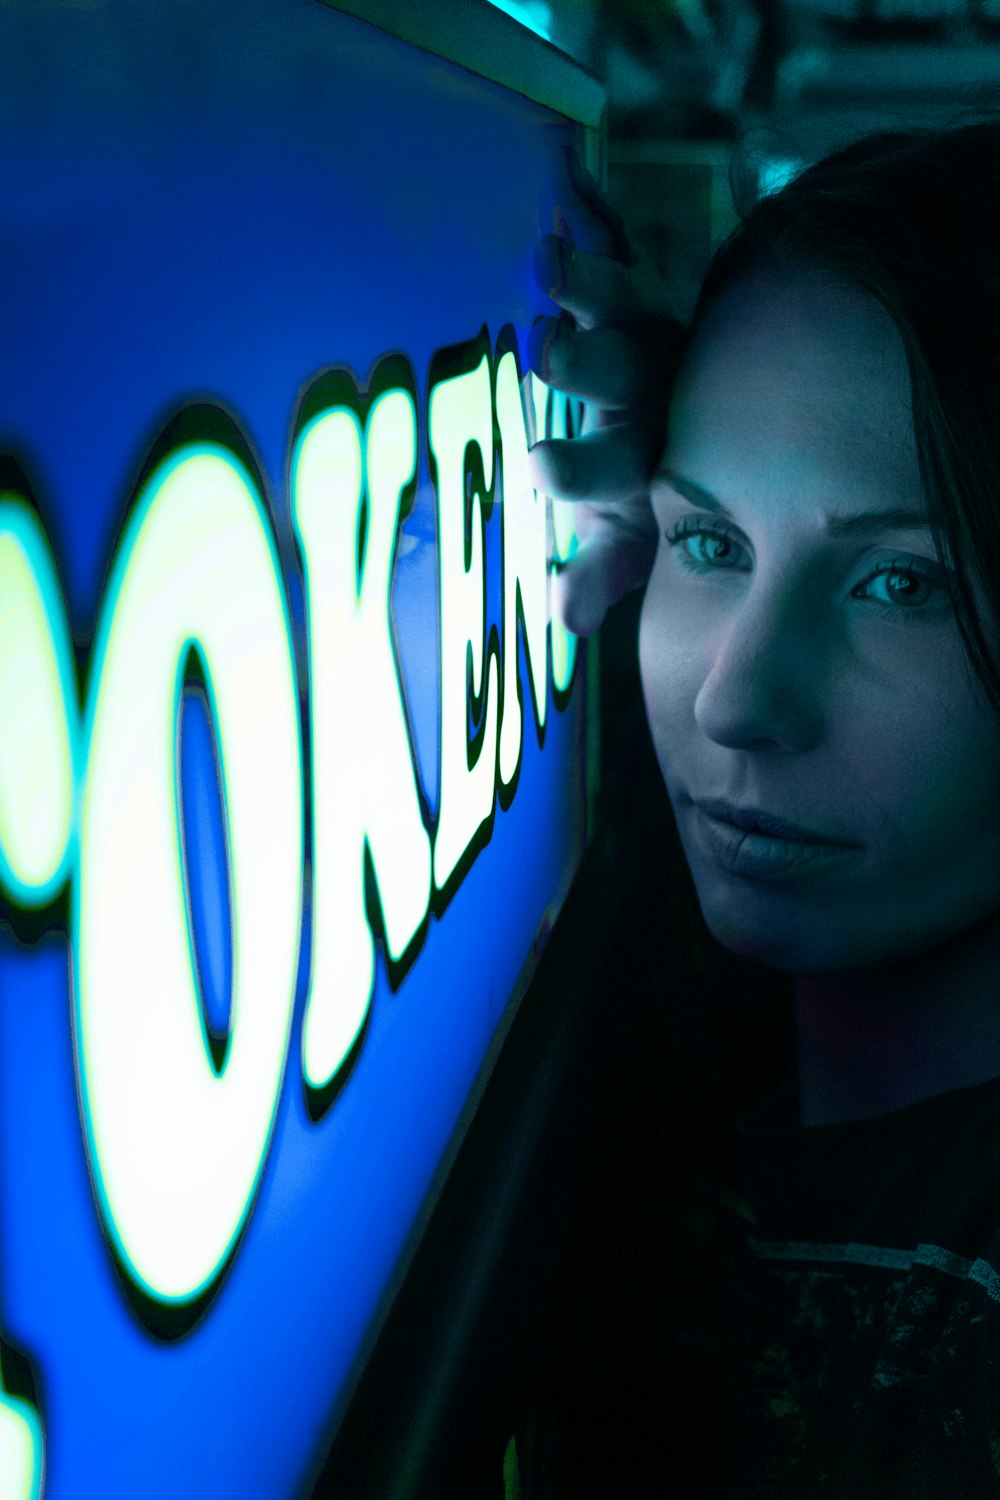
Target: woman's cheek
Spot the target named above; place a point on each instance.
(666, 664)
(651, 648)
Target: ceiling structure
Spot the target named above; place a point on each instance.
(810, 72)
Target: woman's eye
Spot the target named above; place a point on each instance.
(900, 586)
(707, 546)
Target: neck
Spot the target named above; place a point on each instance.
(876, 1040)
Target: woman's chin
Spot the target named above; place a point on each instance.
(782, 941)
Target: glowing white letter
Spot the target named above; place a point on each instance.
(177, 1150)
(21, 1449)
(524, 569)
(564, 643)
(364, 783)
(461, 413)
(38, 713)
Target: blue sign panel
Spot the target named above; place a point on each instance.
(292, 758)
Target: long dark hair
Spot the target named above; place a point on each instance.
(913, 217)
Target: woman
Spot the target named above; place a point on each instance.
(820, 660)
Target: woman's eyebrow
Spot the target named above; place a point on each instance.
(878, 520)
(837, 525)
(690, 491)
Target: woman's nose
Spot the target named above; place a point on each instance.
(762, 686)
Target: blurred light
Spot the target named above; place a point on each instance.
(21, 1450)
(776, 174)
(535, 14)
(38, 729)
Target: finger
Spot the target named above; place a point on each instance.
(611, 464)
(584, 589)
(594, 288)
(578, 601)
(602, 365)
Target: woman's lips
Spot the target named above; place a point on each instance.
(757, 820)
(765, 855)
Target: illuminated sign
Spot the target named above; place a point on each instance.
(294, 766)
(177, 1137)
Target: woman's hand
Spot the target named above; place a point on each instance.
(617, 347)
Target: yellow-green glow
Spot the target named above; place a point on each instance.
(176, 1149)
(524, 567)
(38, 713)
(363, 779)
(565, 543)
(21, 1450)
(461, 413)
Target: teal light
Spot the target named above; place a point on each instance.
(535, 14)
(776, 174)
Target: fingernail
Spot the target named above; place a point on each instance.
(553, 466)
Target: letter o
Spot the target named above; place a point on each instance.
(177, 1150)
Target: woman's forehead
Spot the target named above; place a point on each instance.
(790, 369)
(795, 319)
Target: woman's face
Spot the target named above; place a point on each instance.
(799, 656)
